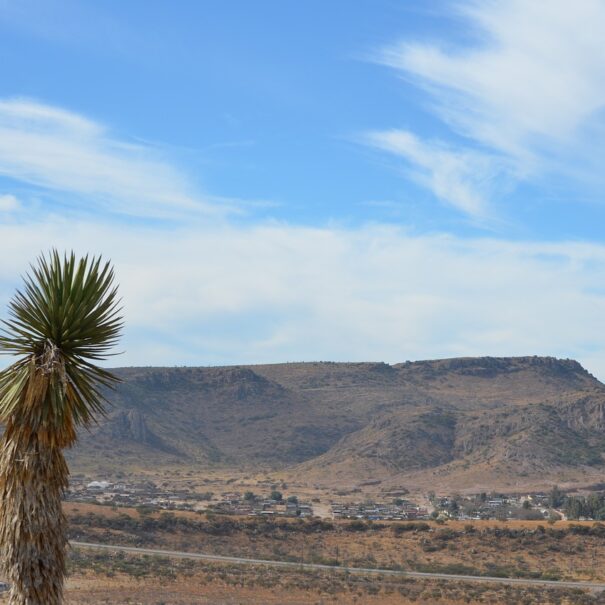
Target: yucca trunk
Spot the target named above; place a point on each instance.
(33, 477)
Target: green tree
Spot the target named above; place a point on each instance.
(65, 319)
(574, 507)
(593, 505)
(556, 497)
(453, 507)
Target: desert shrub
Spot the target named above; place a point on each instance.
(447, 534)
(401, 528)
(357, 526)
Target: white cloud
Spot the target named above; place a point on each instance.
(280, 293)
(528, 91)
(8, 203)
(463, 179)
(63, 152)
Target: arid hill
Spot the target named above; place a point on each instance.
(468, 423)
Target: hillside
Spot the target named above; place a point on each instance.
(464, 423)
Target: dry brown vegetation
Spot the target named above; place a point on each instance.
(111, 579)
(564, 550)
(516, 548)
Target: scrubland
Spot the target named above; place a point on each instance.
(560, 551)
(111, 579)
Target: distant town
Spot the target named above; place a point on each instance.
(554, 505)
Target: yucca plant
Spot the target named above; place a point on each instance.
(66, 318)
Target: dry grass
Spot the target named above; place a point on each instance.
(198, 583)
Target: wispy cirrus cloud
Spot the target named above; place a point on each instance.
(524, 98)
(58, 151)
(461, 178)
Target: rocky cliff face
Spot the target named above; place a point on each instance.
(129, 424)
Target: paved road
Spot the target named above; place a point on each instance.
(592, 586)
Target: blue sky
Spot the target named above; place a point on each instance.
(280, 181)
